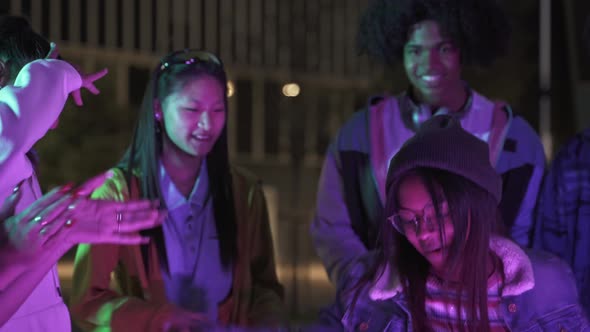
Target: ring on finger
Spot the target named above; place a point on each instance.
(40, 219)
(119, 217)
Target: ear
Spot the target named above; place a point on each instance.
(158, 110)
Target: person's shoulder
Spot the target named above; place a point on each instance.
(522, 129)
(522, 138)
(359, 117)
(554, 279)
(519, 126)
(576, 149)
(244, 177)
(114, 186)
(354, 131)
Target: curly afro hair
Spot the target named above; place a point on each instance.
(480, 28)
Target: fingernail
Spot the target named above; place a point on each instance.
(66, 188)
(78, 192)
(17, 188)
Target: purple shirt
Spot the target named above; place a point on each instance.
(196, 281)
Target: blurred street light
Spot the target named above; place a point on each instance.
(231, 89)
(291, 90)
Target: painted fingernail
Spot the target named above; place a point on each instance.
(17, 188)
(66, 188)
(80, 192)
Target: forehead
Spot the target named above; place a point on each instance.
(412, 193)
(426, 33)
(204, 81)
(204, 86)
(205, 91)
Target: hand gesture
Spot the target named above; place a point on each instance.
(74, 218)
(87, 79)
(88, 83)
(105, 221)
(101, 221)
(25, 231)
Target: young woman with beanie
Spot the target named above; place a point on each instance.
(443, 263)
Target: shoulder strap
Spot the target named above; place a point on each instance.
(500, 124)
(377, 143)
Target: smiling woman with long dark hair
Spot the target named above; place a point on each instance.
(213, 257)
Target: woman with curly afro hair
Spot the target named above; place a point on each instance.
(433, 39)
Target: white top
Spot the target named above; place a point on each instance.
(27, 111)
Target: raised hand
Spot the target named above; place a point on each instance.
(87, 79)
(88, 83)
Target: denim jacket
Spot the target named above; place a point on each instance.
(539, 294)
(563, 211)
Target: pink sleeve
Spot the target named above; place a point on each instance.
(27, 110)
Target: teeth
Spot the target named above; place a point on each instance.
(430, 78)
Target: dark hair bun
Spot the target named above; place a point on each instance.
(13, 24)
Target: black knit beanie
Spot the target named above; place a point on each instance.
(442, 143)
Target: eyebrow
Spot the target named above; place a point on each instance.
(415, 45)
(198, 103)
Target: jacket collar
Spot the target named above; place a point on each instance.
(518, 272)
(387, 133)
